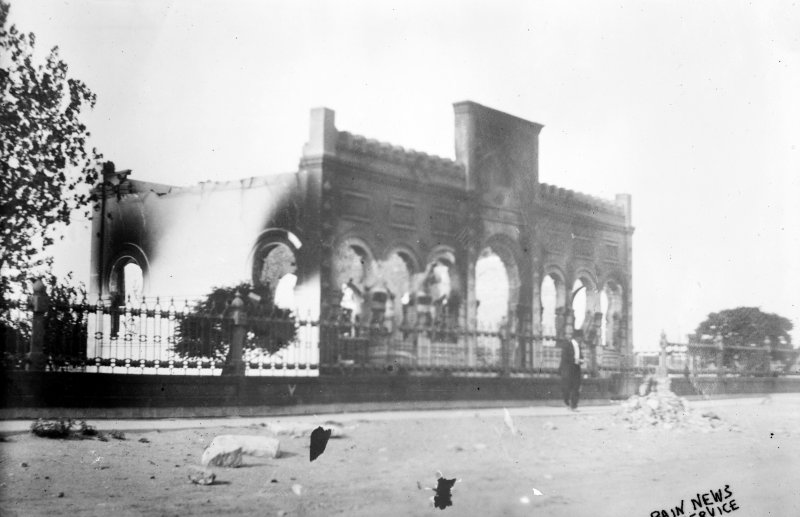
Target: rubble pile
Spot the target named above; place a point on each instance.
(663, 409)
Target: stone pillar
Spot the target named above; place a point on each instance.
(560, 322)
(471, 247)
(592, 337)
(505, 345)
(40, 304)
(569, 323)
(235, 365)
(662, 374)
(720, 344)
(524, 339)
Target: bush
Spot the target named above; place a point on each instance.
(205, 333)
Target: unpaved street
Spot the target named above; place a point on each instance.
(583, 464)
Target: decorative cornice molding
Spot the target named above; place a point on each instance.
(572, 199)
(400, 155)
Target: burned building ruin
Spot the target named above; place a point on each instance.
(369, 233)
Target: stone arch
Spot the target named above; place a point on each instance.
(127, 284)
(129, 254)
(442, 279)
(345, 265)
(274, 263)
(585, 302)
(353, 271)
(613, 309)
(398, 271)
(408, 255)
(488, 276)
(553, 299)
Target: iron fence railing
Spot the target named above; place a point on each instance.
(701, 358)
(156, 337)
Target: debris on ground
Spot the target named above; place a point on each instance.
(144, 440)
(509, 422)
(54, 428)
(226, 450)
(549, 426)
(63, 428)
(117, 435)
(202, 476)
(86, 429)
(297, 489)
(662, 408)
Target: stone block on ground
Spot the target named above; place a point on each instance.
(226, 450)
(201, 476)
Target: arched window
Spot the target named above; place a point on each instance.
(353, 267)
(492, 289)
(579, 303)
(126, 288)
(126, 282)
(549, 299)
(397, 272)
(586, 305)
(612, 324)
(275, 266)
(352, 263)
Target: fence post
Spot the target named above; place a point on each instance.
(40, 303)
(238, 315)
(504, 332)
(662, 356)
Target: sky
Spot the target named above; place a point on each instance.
(691, 107)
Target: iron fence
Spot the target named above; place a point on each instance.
(171, 338)
(707, 358)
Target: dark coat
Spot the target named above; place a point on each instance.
(567, 357)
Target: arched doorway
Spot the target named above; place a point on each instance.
(579, 303)
(275, 267)
(552, 297)
(398, 273)
(611, 332)
(492, 290)
(126, 290)
(352, 271)
(585, 304)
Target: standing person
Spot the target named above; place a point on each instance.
(570, 369)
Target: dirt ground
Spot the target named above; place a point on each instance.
(583, 464)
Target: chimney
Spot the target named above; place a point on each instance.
(624, 200)
(322, 133)
(496, 149)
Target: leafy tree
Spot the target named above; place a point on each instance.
(205, 333)
(749, 327)
(45, 166)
